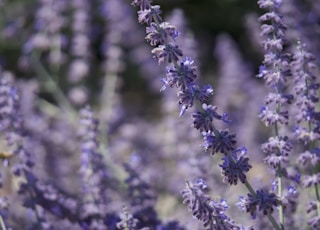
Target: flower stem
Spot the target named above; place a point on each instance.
(2, 225)
(52, 86)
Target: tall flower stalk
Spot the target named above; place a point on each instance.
(306, 128)
(275, 71)
(181, 73)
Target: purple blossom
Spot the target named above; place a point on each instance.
(62, 165)
(263, 201)
(183, 77)
(146, 15)
(203, 120)
(235, 167)
(167, 53)
(270, 117)
(210, 212)
(222, 141)
(143, 4)
(158, 34)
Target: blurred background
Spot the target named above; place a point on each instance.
(64, 55)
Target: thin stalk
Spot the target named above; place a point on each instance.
(281, 216)
(107, 100)
(279, 175)
(52, 86)
(2, 225)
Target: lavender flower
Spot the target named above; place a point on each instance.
(210, 212)
(54, 177)
(277, 150)
(79, 67)
(93, 173)
(203, 120)
(219, 141)
(8, 103)
(154, 30)
(140, 193)
(234, 168)
(127, 221)
(306, 129)
(215, 140)
(181, 74)
(262, 201)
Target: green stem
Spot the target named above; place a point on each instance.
(316, 188)
(3, 226)
(107, 98)
(281, 216)
(279, 175)
(52, 86)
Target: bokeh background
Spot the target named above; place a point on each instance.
(64, 55)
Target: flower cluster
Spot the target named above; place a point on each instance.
(87, 142)
(276, 72)
(181, 73)
(306, 130)
(235, 167)
(93, 173)
(210, 212)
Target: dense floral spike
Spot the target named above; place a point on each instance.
(180, 75)
(8, 98)
(11, 123)
(140, 193)
(93, 172)
(94, 33)
(302, 27)
(277, 150)
(142, 201)
(80, 50)
(306, 88)
(275, 69)
(37, 196)
(49, 198)
(205, 209)
(304, 71)
(276, 72)
(306, 130)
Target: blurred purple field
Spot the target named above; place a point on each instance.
(137, 115)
